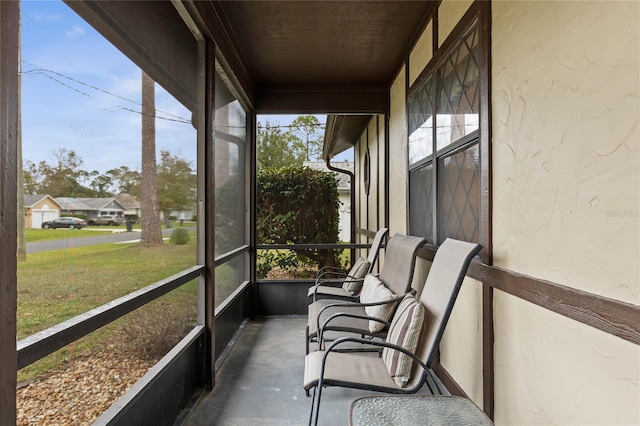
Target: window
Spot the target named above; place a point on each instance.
(444, 160)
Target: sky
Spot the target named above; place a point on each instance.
(80, 93)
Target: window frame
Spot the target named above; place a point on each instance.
(478, 14)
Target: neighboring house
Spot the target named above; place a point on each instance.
(183, 214)
(344, 194)
(40, 208)
(131, 205)
(90, 207)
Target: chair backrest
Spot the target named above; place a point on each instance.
(399, 262)
(375, 247)
(439, 294)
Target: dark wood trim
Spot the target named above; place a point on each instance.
(9, 113)
(434, 33)
(39, 345)
(367, 159)
(430, 14)
(448, 381)
(208, 108)
(252, 168)
(463, 25)
(210, 18)
(609, 315)
(321, 100)
(486, 207)
(488, 354)
(378, 174)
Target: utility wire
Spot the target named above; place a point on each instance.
(48, 73)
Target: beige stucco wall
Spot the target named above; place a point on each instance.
(398, 157)
(566, 182)
(461, 346)
(421, 53)
(449, 14)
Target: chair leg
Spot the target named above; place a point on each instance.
(312, 406)
(306, 342)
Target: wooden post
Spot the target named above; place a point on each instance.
(9, 61)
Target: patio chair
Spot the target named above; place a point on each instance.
(388, 288)
(335, 283)
(415, 332)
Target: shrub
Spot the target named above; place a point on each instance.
(179, 236)
(297, 205)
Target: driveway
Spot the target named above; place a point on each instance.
(117, 237)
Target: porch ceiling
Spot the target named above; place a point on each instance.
(295, 51)
(289, 56)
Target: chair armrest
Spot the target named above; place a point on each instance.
(333, 281)
(348, 315)
(349, 304)
(330, 270)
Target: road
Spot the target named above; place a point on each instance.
(104, 237)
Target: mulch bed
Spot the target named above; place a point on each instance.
(81, 391)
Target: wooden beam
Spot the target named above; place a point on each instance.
(9, 92)
(609, 315)
(325, 100)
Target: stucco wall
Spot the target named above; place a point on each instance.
(421, 53)
(461, 347)
(449, 14)
(566, 182)
(398, 157)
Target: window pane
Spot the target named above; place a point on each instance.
(458, 106)
(229, 277)
(421, 201)
(459, 195)
(230, 141)
(421, 123)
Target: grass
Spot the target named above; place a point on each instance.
(90, 231)
(57, 234)
(54, 286)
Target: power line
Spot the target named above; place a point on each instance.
(48, 73)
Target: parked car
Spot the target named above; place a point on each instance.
(64, 222)
(106, 219)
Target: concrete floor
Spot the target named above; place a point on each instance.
(259, 381)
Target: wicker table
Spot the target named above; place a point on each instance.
(416, 410)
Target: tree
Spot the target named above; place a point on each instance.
(277, 148)
(150, 220)
(62, 178)
(101, 184)
(125, 180)
(176, 183)
(311, 132)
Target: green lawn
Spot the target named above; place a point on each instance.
(57, 285)
(58, 234)
(90, 231)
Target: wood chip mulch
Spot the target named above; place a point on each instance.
(81, 391)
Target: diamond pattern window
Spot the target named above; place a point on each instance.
(444, 160)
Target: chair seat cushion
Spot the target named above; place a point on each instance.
(404, 331)
(368, 370)
(339, 323)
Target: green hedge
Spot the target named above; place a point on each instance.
(297, 205)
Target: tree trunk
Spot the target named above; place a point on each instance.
(150, 213)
